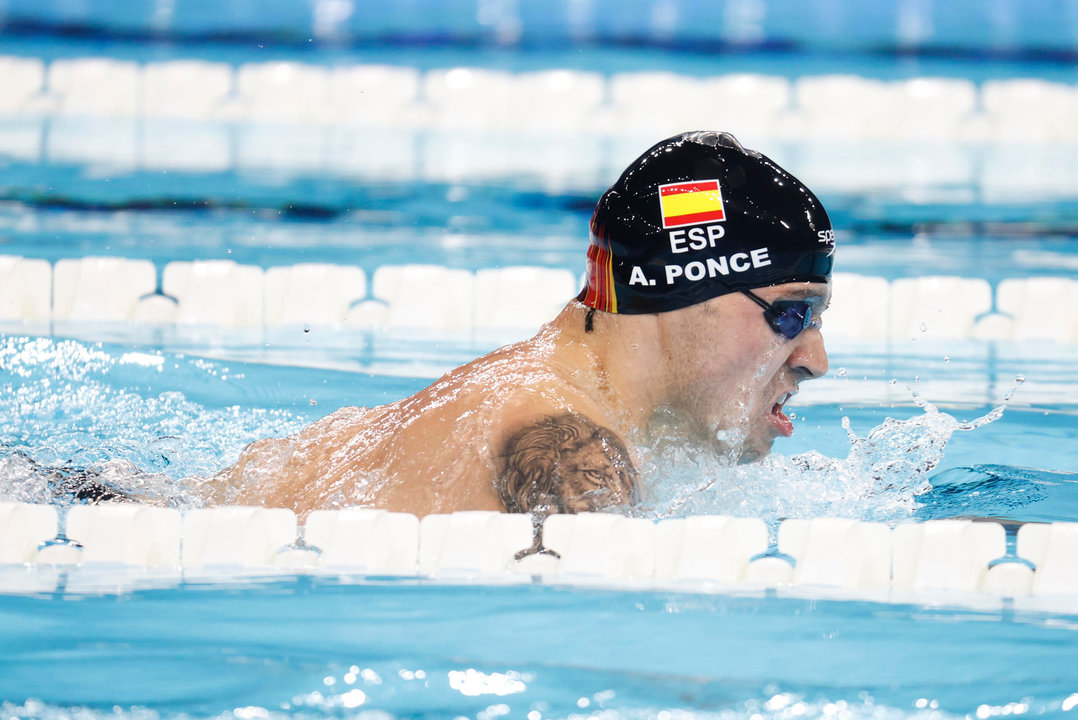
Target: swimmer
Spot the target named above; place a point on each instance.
(708, 270)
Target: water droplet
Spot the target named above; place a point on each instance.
(1018, 380)
(306, 328)
(842, 372)
(946, 358)
(922, 327)
(313, 402)
(892, 381)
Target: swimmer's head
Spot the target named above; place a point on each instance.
(698, 216)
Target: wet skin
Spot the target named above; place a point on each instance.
(474, 440)
(731, 369)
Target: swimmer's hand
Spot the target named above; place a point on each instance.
(565, 464)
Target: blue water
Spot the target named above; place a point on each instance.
(85, 645)
(1034, 30)
(309, 648)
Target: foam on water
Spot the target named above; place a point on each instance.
(66, 404)
(879, 479)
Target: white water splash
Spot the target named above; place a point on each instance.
(68, 405)
(879, 479)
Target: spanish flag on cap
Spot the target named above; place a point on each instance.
(691, 203)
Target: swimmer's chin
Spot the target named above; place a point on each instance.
(729, 445)
(750, 453)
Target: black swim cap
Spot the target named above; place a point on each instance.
(698, 216)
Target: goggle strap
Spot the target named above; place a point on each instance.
(759, 301)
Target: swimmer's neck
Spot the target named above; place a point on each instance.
(620, 363)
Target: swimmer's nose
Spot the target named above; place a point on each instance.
(809, 357)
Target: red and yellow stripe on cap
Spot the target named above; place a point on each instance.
(600, 290)
(691, 203)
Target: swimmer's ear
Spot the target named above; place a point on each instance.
(565, 464)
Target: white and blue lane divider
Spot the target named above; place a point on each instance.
(37, 296)
(1003, 138)
(222, 293)
(577, 101)
(935, 561)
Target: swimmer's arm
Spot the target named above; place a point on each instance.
(565, 464)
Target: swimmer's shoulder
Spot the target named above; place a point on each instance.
(557, 448)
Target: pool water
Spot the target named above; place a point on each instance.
(888, 435)
(311, 648)
(108, 642)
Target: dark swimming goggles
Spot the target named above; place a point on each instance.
(786, 317)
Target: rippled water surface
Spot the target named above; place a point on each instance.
(307, 648)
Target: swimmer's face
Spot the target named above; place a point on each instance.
(733, 373)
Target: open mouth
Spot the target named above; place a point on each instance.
(779, 419)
